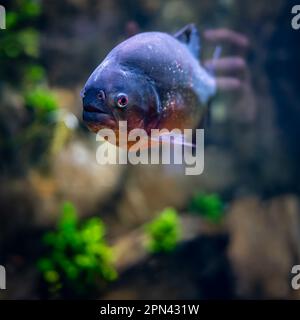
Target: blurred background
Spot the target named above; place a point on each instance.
(70, 228)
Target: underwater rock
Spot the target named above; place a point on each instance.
(264, 245)
(149, 189)
(76, 177)
(198, 269)
(130, 249)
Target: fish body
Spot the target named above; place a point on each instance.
(152, 80)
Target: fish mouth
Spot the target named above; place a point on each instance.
(96, 118)
(90, 108)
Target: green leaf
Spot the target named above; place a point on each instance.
(209, 206)
(77, 252)
(41, 99)
(163, 232)
(51, 276)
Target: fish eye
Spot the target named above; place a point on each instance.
(101, 95)
(122, 100)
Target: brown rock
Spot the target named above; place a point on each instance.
(265, 244)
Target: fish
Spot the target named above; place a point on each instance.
(152, 80)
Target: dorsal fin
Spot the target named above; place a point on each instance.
(189, 35)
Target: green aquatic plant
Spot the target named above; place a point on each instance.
(163, 233)
(78, 256)
(19, 44)
(42, 100)
(210, 206)
(27, 122)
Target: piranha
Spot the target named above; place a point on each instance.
(152, 80)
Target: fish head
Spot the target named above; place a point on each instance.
(113, 94)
